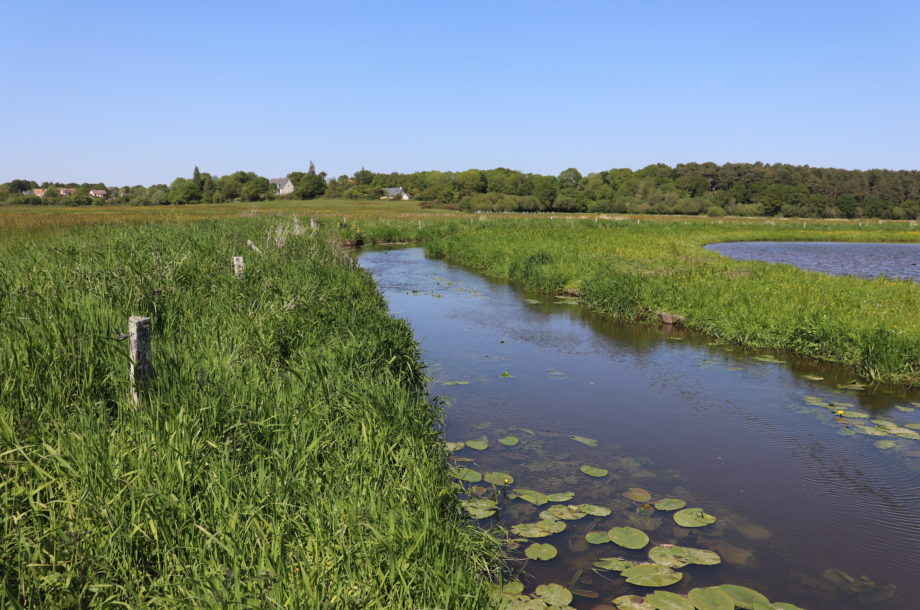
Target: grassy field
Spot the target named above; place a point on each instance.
(285, 455)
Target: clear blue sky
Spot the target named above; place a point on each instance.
(140, 92)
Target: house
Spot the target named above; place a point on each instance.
(68, 191)
(38, 192)
(395, 193)
(283, 186)
(98, 193)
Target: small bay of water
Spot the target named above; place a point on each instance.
(811, 509)
(869, 260)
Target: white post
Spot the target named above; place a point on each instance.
(313, 224)
(253, 246)
(238, 266)
(420, 224)
(141, 361)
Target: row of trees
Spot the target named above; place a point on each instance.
(751, 189)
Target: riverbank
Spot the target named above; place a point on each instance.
(632, 270)
(284, 455)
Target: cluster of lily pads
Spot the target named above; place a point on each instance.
(851, 422)
(658, 569)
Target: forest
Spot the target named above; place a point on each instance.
(737, 189)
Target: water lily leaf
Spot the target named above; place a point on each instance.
(506, 374)
(870, 430)
(912, 426)
(479, 444)
(543, 552)
(885, 444)
(592, 471)
(651, 576)
(632, 602)
(615, 564)
(540, 529)
(905, 433)
(590, 442)
(478, 513)
(562, 496)
(597, 537)
(670, 504)
(637, 494)
(744, 597)
(711, 598)
(498, 478)
(567, 513)
(786, 606)
(852, 386)
(529, 495)
(905, 409)
(455, 383)
(554, 594)
(628, 537)
(505, 591)
(665, 600)
(768, 358)
(813, 377)
(509, 441)
(453, 447)
(593, 510)
(465, 474)
(679, 556)
(853, 414)
(693, 517)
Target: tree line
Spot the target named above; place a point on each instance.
(741, 189)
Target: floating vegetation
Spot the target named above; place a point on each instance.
(532, 301)
(670, 504)
(556, 374)
(853, 385)
(509, 441)
(885, 444)
(650, 575)
(529, 495)
(593, 471)
(455, 383)
(498, 478)
(665, 600)
(480, 444)
(453, 447)
(632, 602)
(540, 529)
(711, 598)
(590, 442)
(597, 537)
(852, 414)
(744, 597)
(554, 595)
(693, 517)
(628, 537)
(465, 474)
(506, 374)
(560, 511)
(562, 496)
(614, 564)
(813, 377)
(541, 551)
(480, 508)
(506, 592)
(637, 494)
(593, 510)
(679, 556)
(768, 358)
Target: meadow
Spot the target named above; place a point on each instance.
(285, 455)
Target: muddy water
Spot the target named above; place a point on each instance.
(901, 261)
(809, 509)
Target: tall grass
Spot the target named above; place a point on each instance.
(285, 455)
(632, 270)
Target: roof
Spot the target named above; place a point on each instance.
(393, 191)
(280, 181)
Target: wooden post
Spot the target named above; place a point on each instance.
(313, 224)
(253, 246)
(141, 361)
(238, 266)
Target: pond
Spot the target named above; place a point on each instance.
(814, 481)
(900, 261)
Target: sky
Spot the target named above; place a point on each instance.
(141, 92)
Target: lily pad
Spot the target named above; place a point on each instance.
(453, 447)
(480, 444)
(651, 576)
(567, 513)
(455, 383)
(665, 600)
(506, 591)
(543, 552)
(632, 602)
(562, 496)
(744, 597)
(506, 374)
(670, 504)
(615, 564)
(637, 494)
(693, 517)
(555, 595)
(768, 358)
(590, 442)
(465, 474)
(680, 556)
(813, 377)
(786, 606)
(593, 510)
(593, 471)
(853, 414)
(498, 478)
(711, 598)
(852, 386)
(597, 537)
(529, 495)
(885, 444)
(628, 537)
(509, 441)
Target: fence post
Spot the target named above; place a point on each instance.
(313, 224)
(253, 246)
(238, 266)
(141, 362)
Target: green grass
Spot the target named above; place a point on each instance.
(284, 457)
(631, 270)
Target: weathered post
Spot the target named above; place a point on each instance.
(420, 225)
(239, 267)
(313, 224)
(253, 246)
(141, 361)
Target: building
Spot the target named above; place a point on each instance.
(283, 186)
(38, 192)
(395, 193)
(98, 193)
(68, 191)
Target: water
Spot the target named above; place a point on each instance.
(680, 418)
(863, 260)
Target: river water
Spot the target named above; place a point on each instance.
(811, 508)
(900, 261)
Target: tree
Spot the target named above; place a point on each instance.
(471, 181)
(362, 176)
(569, 179)
(309, 185)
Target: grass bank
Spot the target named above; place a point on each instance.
(631, 270)
(285, 455)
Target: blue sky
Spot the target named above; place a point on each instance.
(139, 93)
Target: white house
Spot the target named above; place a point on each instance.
(283, 186)
(395, 193)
